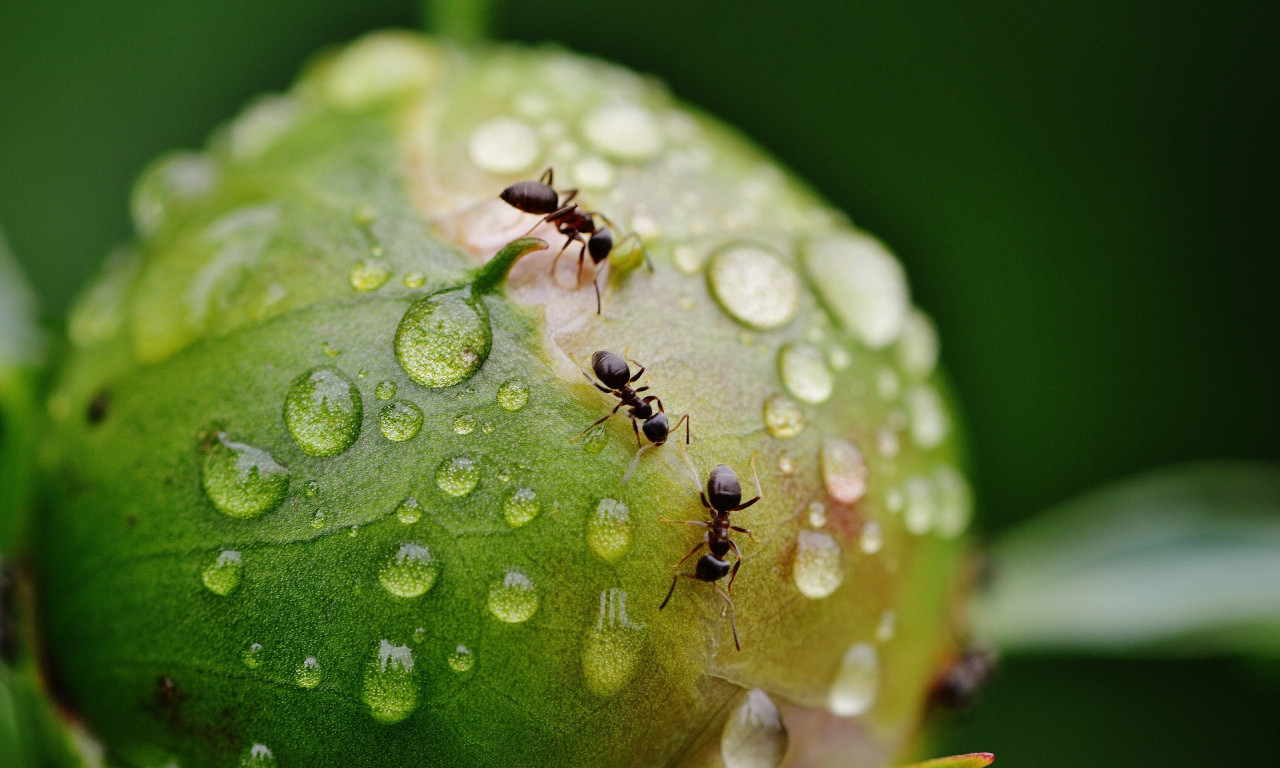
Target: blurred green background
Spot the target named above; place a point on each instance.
(1084, 198)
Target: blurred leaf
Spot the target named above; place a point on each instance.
(971, 760)
(1181, 561)
(20, 352)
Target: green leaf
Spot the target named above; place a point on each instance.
(971, 760)
(20, 353)
(1181, 561)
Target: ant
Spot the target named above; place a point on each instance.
(723, 495)
(615, 378)
(571, 220)
(958, 687)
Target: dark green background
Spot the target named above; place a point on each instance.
(1084, 197)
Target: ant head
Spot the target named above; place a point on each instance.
(600, 245)
(610, 369)
(724, 492)
(531, 197)
(656, 428)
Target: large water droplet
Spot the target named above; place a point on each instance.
(242, 481)
(443, 338)
(461, 659)
(612, 648)
(804, 372)
(819, 565)
(520, 507)
(385, 390)
(754, 735)
(389, 687)
(399, 420)
(594, 173)
(369, 275)
(258, 756)
(609, 530)
(918, 345)
(844, 470)
(955, 501)
(514, 599)
(624, 130)
(171, 182)
(857, 681)
(308, 673)
(920, 508)
(458, 476)
(783, 416)
(513, 394)
(754, 285)
(323, 411)
(252, 655)
(929, 422)
(222, 576)
(409, 571)
(862, 284)
(503, 145)
(409, 511)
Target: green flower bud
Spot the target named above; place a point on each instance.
(333, 511)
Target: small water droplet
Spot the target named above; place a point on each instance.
(754, 285)
(385, 390)
(461, 659)
(513, 394)
(415, 280)
(520, 507)
(399, 420)
(804, 372)
(609, 530)
(409, 511)
(222, 576)
(887, 627)
(918, 345)
(443, 338)
(955, 501)
(840, 358)
(317, 520)
(390, 690)
(920, 512)
(354, 532)
(409, 571)
(844, 470)
(329, 350)
(594, 173)
(369, 275)
(754, 735)
(323, 411)
(817, 514)
(888, 385)
(252, 655)
(242, 481)
(458, 476)
(310, 490)
(894, 500)
(871, 537)
(258, 756)
(887, 444)
(862, 284)
(857, 681)
(464, 424)
(503, 145)
(612, 648)
(308, 673)
(783, 416)
(623, 130)
(514, 599)
(929, 422)
(487, 427)
(689, 261)
(786, 465)
(819, 565)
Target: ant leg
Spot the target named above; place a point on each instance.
(556, 261)
(676, 428)
(732, 624)
(536, 224)
(600, 420)
(568, 196)
(692, 552)
(587, 376)
(582, 258)
(640, 244)
(636, 461)
(694, 474)
(750, 535)
(655, 399)
(755, 476)
(674, 580)
(733, 572)
(595, 281)
(548, 177)
(694, 523)
(636, 426)
(638, 373)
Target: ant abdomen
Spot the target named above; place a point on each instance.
(532, 197)
(711, 568)
(610, 369)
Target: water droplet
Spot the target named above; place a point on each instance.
(624, 131)
(871, 537)
(955, 501)
(261, 125)
(754, 286)
(323, 411)
(308, 673)
(462, 659)
(409, 511)
(612, 648)
(786, 465)
(354, 532)
(457, 476)
(415, 280)
(918, 345)
(252, 655)
(594, 173)
(804, 372)
(783, 416)
(595, 439)
(390, 690)
(258, 756)
(920, 511)
(329, 350)
(844, 470)
(840, 358)
(242, 481)
(379, 67)
(520, 507)
(513, 394)
(819, 564)
(222, 576)
(409, 571)
(385, 390)
(443, 338)
(887, 444)
(464, 424)
(894, 500)
(887, 627)
(399, 420)
(514, 599)
(609, 530)
(689, 261)
(171, 182)
(857, 681)
(754, 735)
(863, 285)
(503, 145)
(817, 514)
(487, 427)
(369, 275)
(317, 520)
(929, 422)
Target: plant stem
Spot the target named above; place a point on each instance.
(493, 275)
(464, 21)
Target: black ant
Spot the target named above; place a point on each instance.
(570, 219)
(723, 495)
(615, 378)
(958, 687)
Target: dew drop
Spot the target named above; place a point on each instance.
(461, 659)
(754, 285)
(252, 655)
(317, 520)
(399, 420)
(955, 501)
(844, 470)
(887, 627)
(862, 284)
(520, 507)
(871, 537)
(624, 130)
(222, 576)
(409, 511)
(503, 145)
(329, 350)
(385, 390)
(804, 372)
(443, 338)
(514, 599)
(390, 690)
(609, 530)
(920, 510)
(894, 500)
(464, 424)
(612, 647)
(513, 394)
(887, 443)
(487, 427)
(783, 416)
(918, 345)
(594, 173)
(458, 476)
(173, 181)
(409, 571)
(819, 564)
(817, 514)
(369, 275)
(857, 681)
(308, 673)
(595, 439)
(258, 756)
(786, 464)
(323, 412)
(242, 481)
(754, 735)
(929, 422)
(415, 280)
